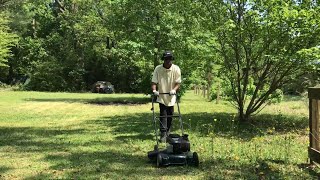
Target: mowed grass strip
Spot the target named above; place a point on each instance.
(107, 136)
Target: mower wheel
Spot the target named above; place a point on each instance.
(159, 160)
(195, 158)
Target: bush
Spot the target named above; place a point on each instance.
(47, 78)
(277, 96)
(3, 85)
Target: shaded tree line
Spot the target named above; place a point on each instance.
(68, 45)
(249, 50)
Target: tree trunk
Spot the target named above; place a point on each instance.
(243, 117)
(34, 27)
(209, 84)
(156, 43)
(10, 74)
(208, 92)
(218, 93)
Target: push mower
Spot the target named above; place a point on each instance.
(177, 151)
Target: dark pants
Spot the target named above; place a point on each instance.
(165, 122)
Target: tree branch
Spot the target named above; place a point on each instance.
(61, 7)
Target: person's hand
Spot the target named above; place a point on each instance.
(172, 92)
(155, 92)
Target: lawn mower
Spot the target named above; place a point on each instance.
(177, 151)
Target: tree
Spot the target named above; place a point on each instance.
(143, 29)
(8, 39)
(263, 45)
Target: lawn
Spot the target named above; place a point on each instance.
(102, 136)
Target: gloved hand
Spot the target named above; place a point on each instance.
(155, 92)
(172, 92)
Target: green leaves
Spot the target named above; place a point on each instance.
(8, 40)
(265, 42)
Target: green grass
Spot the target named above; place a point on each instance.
(102, 136)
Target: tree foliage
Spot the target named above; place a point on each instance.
(8, 39)
(264, 45)
(250, 50)
(97, 40)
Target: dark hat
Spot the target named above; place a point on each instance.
(167, 54)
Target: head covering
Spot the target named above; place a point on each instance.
(167, 54)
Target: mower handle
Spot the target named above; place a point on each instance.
(154, 116)
(166, 94)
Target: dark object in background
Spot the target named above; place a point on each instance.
(103, 87)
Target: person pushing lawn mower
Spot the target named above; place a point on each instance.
(167, 77)
(177, 152)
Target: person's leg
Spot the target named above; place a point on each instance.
(163, 120)
(170, 111)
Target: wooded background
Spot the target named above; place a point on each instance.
(250, 51)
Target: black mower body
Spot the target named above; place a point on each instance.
(177, 152)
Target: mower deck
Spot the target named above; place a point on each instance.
(177, 153)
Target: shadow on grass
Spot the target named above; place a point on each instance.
(67, 163)
(28, 139)
(225, 168)
(224, 124)
(228, 168)
(122, 156)
(92, 165)
(311, 168)
(3, 169)
(97, 101)
(139, 126)
(123, 165)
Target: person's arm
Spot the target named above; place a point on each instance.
(176, 87)
(154, 80)
(177, 80)
(153, 87)
(154, 83)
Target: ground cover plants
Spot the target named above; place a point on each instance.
(107, 136)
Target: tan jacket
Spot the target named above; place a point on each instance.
(166, 80)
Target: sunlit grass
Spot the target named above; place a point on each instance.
(107, 136)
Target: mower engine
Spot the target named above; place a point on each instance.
(178, 144)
